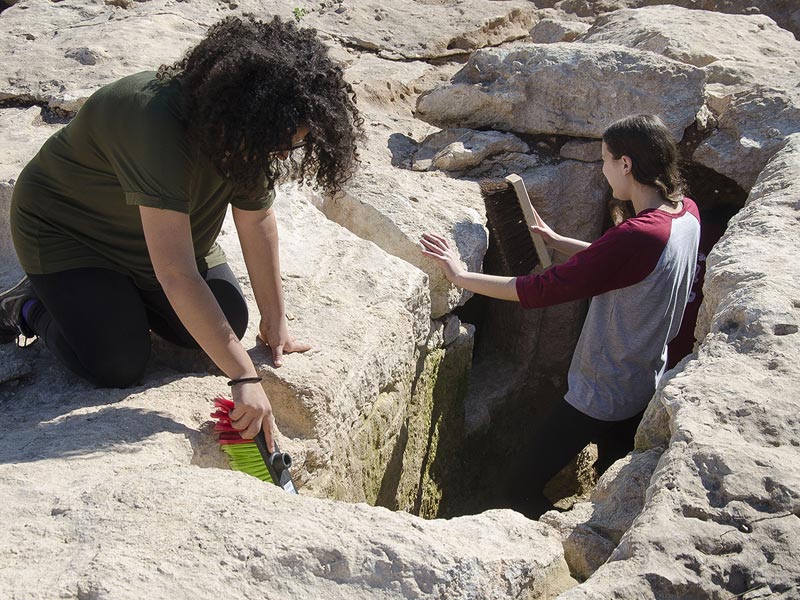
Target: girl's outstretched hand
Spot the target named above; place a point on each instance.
(549, 236)
(437, 248)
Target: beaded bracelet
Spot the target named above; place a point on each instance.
(233, 382)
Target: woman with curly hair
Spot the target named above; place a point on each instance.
(116, 218)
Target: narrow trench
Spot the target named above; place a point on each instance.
(510, 342)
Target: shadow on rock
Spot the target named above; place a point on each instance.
(49, 413)
(82, 432)
(402, 148)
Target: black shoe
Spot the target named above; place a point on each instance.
(12, 325)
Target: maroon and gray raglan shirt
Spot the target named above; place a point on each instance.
(639, 275)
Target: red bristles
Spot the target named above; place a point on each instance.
(223, 428)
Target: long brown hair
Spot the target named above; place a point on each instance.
(652, 150)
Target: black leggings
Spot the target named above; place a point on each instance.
(553, 444)
(97, 322)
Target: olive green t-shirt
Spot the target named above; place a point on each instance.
(76, 203)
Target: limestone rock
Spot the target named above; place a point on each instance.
(97, 43)
(423, 30)
(59, 53)
(104, 495)
(785, 12)
(393, 207)
(13, 367)
(387, 90)
(550, 31)
(390, 205)
(434, 433)
(699, 37)
(591, 530)
(752, 128)
(352, 303)
(565, 89)
(88, 474)
(463, 149)
(22, 132)
(583, 150)
(124, 493)
(720, 516)
(751, 66)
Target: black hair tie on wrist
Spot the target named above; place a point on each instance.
(233, 382)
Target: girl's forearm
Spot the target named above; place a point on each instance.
(494, 286)
(568, 246)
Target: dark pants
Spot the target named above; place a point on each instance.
(97, 322)
(551, 447)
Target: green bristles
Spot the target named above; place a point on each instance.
(247, 459)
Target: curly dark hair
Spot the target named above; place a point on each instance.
(249, 85)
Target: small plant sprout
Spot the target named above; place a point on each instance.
(299, 13)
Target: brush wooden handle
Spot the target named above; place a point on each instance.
(531, 218)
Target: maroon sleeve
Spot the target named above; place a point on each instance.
(622, 256)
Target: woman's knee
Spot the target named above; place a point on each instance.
(121, 368)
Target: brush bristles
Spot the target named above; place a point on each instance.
(243, 454)
(246, 458)
(507, 226)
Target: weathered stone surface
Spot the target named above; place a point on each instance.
(22, 132)
(583, 150)
(59, 53)
(89, 475)
(394, 207)
(44, 42)
(720, 516)
(752, 127)
(742, 44)
(463, 149)
(550, 31)
(564, 89)
(434, 431)
(752, 68)
(591, 530)
(423, 30)
(13, 368)
(95, 472)
(104, 495)
(353, 303)
(785, 12)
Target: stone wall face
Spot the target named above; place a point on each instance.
(124, 493)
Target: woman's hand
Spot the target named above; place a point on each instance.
(252, 412)
(437, 248)
(275, 335)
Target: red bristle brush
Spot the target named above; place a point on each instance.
(251, 456)
(510, 215)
